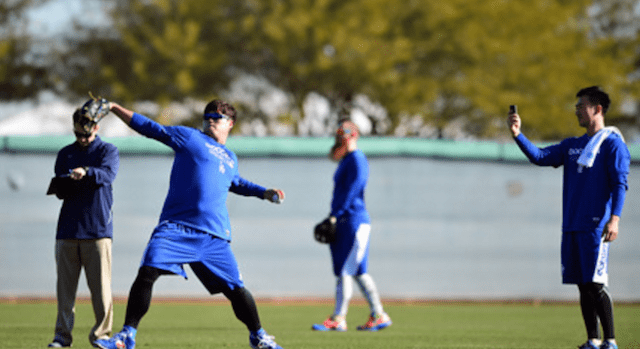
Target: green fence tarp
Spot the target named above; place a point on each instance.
(301, 147)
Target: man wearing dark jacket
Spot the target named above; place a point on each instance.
(84, 172)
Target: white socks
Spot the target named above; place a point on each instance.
(370, 292)
(344, 293)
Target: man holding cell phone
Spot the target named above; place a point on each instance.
(596, 166)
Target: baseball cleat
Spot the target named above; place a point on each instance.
(376, 323)
(588, 345)
(59, 342)
(121, 340)
(608, 345)
(333, 323)
(262, 340)
(56, 344)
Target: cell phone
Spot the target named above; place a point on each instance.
(513, 109)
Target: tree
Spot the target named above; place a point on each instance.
(619, 20)
(443, 60)
(159, 50)
(22, 74)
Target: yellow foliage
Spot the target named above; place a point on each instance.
(5, 47)
(439, 59)
(184, 81)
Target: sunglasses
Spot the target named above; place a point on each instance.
(82, 134)
(216, 116)
(343, 132)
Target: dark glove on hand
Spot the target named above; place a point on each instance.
(325, 231)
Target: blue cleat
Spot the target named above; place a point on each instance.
(121, 340)
(589, 345)
(608, 345)
(261, 340)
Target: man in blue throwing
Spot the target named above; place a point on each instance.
(350, 227)
(194, 224)
(596, 166)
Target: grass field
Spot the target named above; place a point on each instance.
(29, 324)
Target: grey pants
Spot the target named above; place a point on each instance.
(95, 257)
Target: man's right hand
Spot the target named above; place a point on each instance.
(514, 124)
(124, 114)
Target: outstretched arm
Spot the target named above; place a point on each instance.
(124, 114)
(244, 187)
(149, 128)
(549, 156)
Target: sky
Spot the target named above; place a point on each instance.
(50, 20)
(55, 17)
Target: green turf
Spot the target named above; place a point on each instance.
(431, 325)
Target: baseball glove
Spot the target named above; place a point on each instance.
(325, 231)
(92, 111)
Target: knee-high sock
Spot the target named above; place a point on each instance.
(604, 308)
(370, 292)
(589, 315)
(596, 304)
(244, 306)
(344, 292)
(140, 295)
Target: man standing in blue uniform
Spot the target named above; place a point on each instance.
(194, 224)
(596, 166)
(84, 172)
(350, 249)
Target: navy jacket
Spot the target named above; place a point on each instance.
(86, 207)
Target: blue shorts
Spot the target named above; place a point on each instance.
(350, 250)
(172, 245)
(585, 258)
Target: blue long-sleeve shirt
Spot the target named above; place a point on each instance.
(86, 207)
(589, 195)
(202, 175)
(350, 181)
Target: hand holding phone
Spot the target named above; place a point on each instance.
(514, 120)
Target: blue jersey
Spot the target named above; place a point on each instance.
(589, 195)
(350, 180)
(202, 175)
